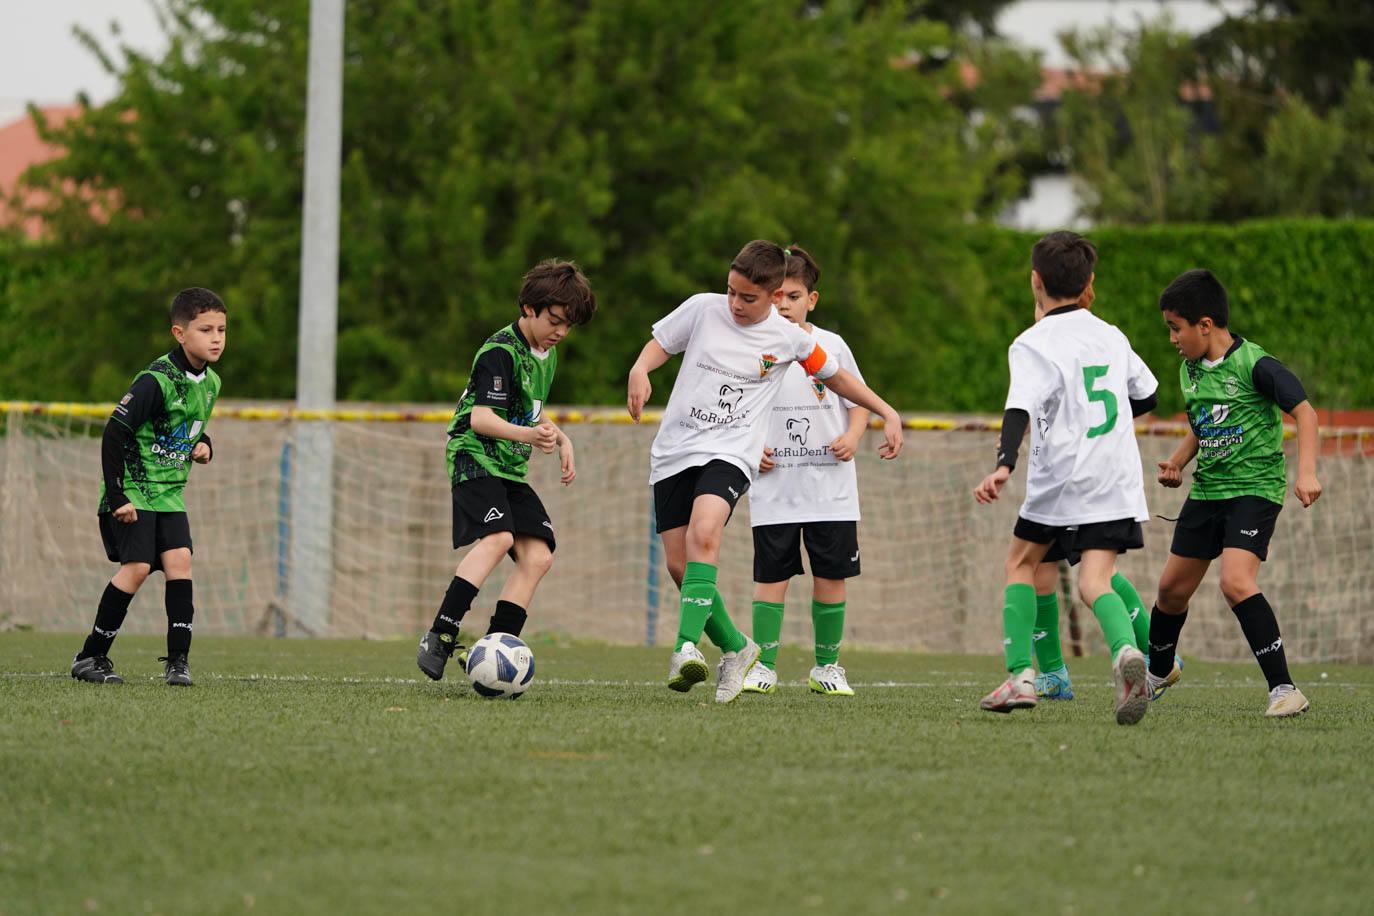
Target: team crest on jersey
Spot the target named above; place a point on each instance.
(820, 388)
(496, 384)
(766, 362)
(1231, 384)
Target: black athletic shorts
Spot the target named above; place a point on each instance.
(832, 548)
(145, 539)
(1069, 542)
(486, 505)
(673, 496)
(1207, 526)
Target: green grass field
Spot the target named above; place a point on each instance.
(331, 777)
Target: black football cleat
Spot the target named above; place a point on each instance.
(97, 669)
(435, 650)
(177, 670)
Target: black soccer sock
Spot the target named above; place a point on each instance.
(109, 617)
(1164, 630)
(509, 618)
(457, 601)
(180, 610)
(1261, 630)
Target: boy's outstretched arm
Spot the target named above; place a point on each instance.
(485, 422)
(847, 385)
(1171, 470)
(1307, 488)
(638, 389)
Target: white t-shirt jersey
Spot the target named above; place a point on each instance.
(809, 484)
(1075, 375)
(729, 377)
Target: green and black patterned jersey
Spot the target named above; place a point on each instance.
(1234, 411)
(147, 457)
(514, 381)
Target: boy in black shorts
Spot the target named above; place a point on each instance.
(497, 424)
(1233, 391)
(155, 431)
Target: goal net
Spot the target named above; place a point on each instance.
(932, 557)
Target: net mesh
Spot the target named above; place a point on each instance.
(932, 557)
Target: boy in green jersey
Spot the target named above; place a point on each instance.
(499, 421)
(155, 431)
(1233, 392)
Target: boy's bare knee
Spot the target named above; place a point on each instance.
(176, 564)
(676, 571)
(499, 540)
(537, 559)
(1236, 589)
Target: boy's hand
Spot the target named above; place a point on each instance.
(1170, 475)
(638, 392)
(991, 487)
(201, 453)
(766, 463)
(892, 437)
(544, 437)
(1307, 489)
(565, 458)
(844, 447)
(126, 513)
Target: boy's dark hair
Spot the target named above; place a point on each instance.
(801, 267)
(762, 263)
(555, 282)
(191, 303)
(1065, 261)
(1195, 295)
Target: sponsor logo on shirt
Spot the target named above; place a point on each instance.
(174, 449)
(730, 397)
(797, 430)
(766, 362)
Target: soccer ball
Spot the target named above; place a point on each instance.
(500, 665)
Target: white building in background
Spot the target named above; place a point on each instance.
(1053, 201)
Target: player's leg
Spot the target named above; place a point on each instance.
(533, 555)
(672, 512)
(481, 513)
(1245, 545)
(1095, 571)
(133, 546)
(777, 558)
(1052, 683)
(1018, 616)
(833, 549)
(1196, 542)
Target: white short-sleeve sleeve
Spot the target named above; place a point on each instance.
(1031, 378)
(1140, 381)
(674, 330)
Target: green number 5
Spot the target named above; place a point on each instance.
(1090, 375)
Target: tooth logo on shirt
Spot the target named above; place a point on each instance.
(730, 397)
(766, 362)
(797, 429)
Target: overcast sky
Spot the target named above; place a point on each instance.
(40, 59)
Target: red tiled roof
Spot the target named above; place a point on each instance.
(21, 148)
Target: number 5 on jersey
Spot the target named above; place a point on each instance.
(1091, 374)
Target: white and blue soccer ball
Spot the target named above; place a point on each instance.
(500, 665)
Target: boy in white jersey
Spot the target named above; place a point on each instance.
(736, 348)
(1072, 373)
(807, 487)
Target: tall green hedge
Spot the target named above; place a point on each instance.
(1302, 289)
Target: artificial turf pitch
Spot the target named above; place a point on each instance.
(332, 777)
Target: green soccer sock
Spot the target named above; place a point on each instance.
(698, 594)
(720, 629)
(768, 631)
(1045, 637)
(1018, 620)
(1115, 622)
(828, 622)
(1135, 609)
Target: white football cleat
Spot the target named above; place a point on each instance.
(1132, 685)
(1016, 692)
(688, 667)
(830, 680)
(760, 679)
(733, 667)
(1286, 700)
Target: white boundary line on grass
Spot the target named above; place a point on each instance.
(593, 682)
